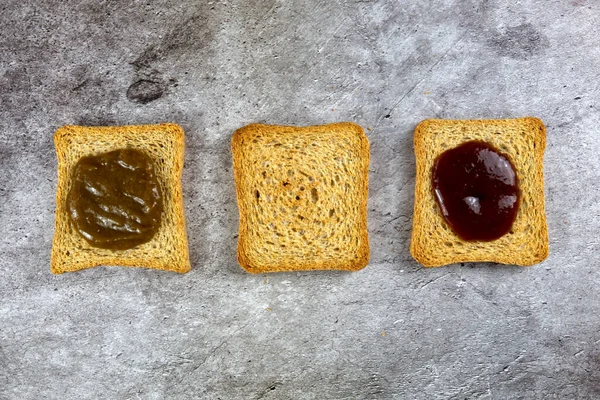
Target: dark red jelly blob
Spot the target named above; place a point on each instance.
(476, 188)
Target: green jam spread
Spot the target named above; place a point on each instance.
(115, 201)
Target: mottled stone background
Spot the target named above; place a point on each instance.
(392, 330)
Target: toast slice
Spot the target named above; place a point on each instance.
(433, 243)
(302, 196)
(164, 143)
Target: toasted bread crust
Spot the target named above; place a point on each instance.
(252, 146)
(523, 139)
(168, 250)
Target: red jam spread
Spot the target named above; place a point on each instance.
(476, 188)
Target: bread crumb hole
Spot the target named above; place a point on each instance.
(331, 212)
(297, 197)
(68, 253)
(285, 183)
(271, 243)
(314, 196)
(257, 194)
(290, 172)
(448, 244)
(336, 249)
(301, 187)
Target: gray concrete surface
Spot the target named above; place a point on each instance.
(392, 330)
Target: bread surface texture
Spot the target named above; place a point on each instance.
(523, 140)
(164, 143)
(302, 196)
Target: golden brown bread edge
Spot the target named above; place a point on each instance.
(165, 143)
(254, 265)
(433, 243)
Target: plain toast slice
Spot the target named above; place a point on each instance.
(302, 196)
(433, 243)
(164, 143)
